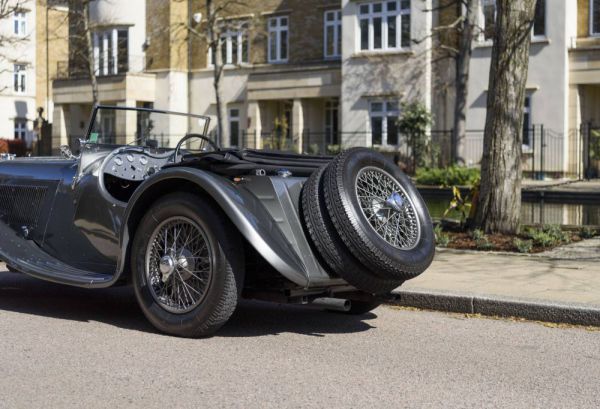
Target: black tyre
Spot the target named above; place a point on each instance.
(187, 266)
(334, 255)
(379, 214)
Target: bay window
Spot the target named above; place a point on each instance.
(384, 25)
(111, 51)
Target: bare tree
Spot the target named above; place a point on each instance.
(81, 58)
(468, 29)
(499, 206)
(454, 36)
(210, 30)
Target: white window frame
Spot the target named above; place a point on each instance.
(527, 111)
(20, 23)
(384, 14)
(493, 3)
(591, 30)
(20, 131)
(483, 4)
(227, 41)
(106, 37)
(20, 78)
(385, 113)
(235, 118)
(332, 110)
(278, 29)
(336, 23)
(545, 35)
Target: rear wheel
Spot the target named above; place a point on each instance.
(187, 266)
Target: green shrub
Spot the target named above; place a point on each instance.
(587, 232)
(557, 233)
(441, 239)
(413, 125)
(548, 236)
(450, 176)
(477, 234)
(523, 246)
(334, 149)
(541, 238)
(483, 244)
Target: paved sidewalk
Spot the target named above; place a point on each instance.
(559, 286)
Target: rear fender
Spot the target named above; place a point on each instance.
(243, 208)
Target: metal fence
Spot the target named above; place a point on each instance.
(590, 143)
(546, 153)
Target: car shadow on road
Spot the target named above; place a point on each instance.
(118, 307)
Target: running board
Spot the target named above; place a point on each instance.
(27, 257)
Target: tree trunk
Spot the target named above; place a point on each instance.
(499, 205)
(90, 52)
(463, 61)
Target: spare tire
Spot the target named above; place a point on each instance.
(334, 256)
(379, 214)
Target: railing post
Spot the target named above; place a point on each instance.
(588, 167)
(543, 148)
(444, 151)
(533, 174)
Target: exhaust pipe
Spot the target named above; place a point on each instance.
(333, 304)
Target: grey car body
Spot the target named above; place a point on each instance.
(62, 221)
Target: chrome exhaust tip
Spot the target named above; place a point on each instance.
(334, 304)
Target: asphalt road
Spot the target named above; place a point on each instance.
(66, 347)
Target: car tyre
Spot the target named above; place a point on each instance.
(330, 249)
(222, 256)
(359, 186)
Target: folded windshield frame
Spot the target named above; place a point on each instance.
(200, 127)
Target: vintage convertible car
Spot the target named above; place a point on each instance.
(151, 201)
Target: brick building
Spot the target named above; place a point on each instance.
(313, 75)
(291, 79)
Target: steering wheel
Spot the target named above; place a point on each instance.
(189, 136)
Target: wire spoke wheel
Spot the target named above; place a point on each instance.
(179, 264)
(388, 208)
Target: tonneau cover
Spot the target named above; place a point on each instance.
(241, 162)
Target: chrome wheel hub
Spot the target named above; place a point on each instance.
(167, 267)
(387, 208)
(178, 264)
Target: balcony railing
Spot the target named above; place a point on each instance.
(66, 70)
